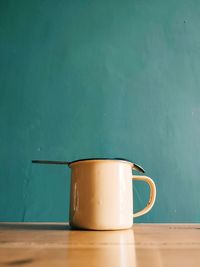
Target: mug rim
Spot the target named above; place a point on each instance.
(134, 166)
(91, 159)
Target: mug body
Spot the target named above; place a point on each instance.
(101, 194)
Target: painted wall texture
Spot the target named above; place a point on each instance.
(99, 79)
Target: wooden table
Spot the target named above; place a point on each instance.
(56, 245)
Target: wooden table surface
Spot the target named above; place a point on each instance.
(56, 245)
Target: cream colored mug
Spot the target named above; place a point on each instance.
(101, 196)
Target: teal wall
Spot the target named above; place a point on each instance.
(99, 79)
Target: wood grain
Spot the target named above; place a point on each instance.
(56, 245)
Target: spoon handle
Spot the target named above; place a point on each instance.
(50, 162)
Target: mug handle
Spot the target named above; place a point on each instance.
(152, 196)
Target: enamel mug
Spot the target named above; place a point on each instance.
(101, 196)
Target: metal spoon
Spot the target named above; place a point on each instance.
(135, 166)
